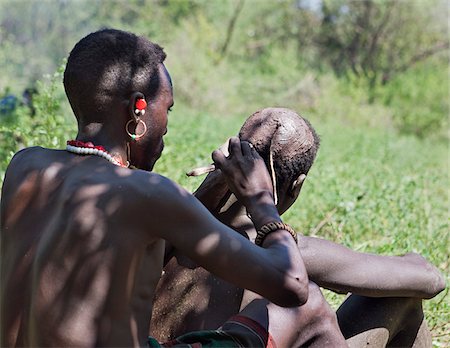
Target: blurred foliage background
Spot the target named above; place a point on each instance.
(372, 76)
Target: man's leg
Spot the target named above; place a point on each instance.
(381, 322)
(314, 324)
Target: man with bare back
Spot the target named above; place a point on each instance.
(385, 305)
(83, 235)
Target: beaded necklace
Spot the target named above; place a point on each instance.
(82, 148)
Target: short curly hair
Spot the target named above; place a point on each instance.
(108, 64)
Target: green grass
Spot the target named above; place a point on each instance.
(387, 194)
(372, 189)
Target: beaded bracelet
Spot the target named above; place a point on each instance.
(273, 226)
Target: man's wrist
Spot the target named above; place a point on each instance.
(271, 227)
(262, 210)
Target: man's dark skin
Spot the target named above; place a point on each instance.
(385, 307)
(82, 240)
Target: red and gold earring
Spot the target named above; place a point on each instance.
(141, 105)
(139, 110)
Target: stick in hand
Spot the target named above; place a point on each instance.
(201, 170)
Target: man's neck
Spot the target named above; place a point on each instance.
(98, 135)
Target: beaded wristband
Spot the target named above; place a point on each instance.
(273, 226)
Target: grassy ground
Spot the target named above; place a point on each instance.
(369, 189)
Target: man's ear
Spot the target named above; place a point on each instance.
(135, 96)
(297, 185)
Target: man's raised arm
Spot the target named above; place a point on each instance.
(341, 269)
(275, 271)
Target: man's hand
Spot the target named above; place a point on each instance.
(247, 177)
(244, 170)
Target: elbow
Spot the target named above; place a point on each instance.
(302, 293)
(436, 283)
(295, 292)
(436, 287)
(440, 285)
(430, 279)
(302, 290)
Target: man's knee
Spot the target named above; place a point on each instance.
(316, 318)
(318, 308)
(318, 322)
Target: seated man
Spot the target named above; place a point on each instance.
(82, 235)
(385, 305)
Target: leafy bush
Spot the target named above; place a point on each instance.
(47, 128)
(419, 99)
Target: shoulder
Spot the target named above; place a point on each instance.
(159, 201)
(154, 204)
(28, 151)
(22, 172)
(22, 159)
(32, 160)
(146, 183)
(151, 189)
(28, 156)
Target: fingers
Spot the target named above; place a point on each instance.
(247, 148)
(236, 149)
(235, 146)
(220, 156)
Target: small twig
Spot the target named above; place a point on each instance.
(201, 170)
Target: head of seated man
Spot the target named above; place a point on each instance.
(288, 144)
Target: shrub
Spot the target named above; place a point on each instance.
(419, 100)
(48, 127)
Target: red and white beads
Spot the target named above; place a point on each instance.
(82, 148)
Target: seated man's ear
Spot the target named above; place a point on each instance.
(297, 185)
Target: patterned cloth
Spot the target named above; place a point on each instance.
(239, 331)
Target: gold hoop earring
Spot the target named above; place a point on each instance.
(135, 136)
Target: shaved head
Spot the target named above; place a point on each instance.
(285, 137)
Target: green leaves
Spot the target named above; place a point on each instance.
(50, 126)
